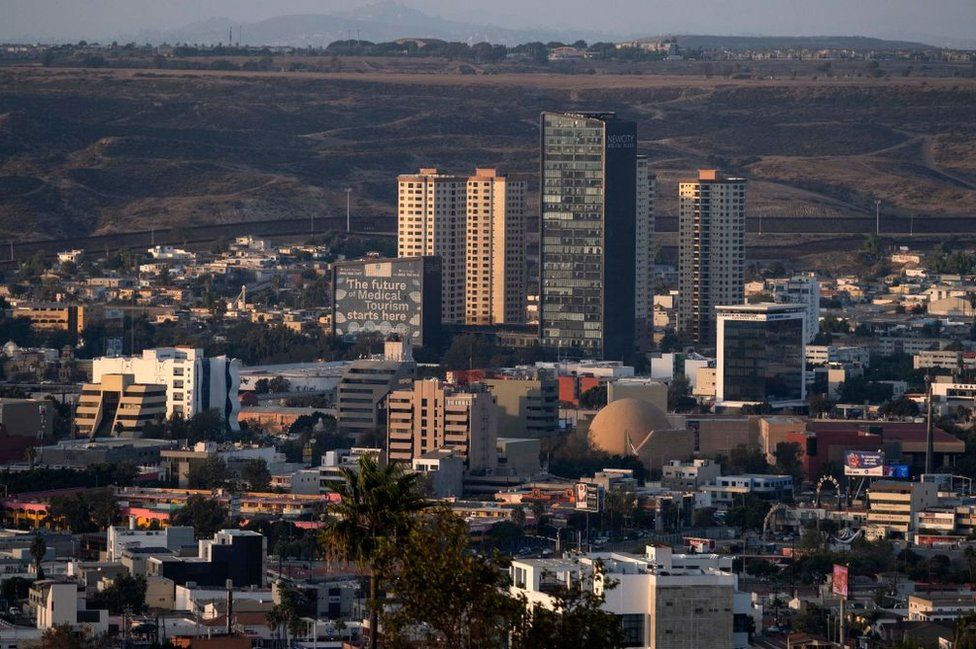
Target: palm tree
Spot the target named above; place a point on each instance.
(275, 619)
(970, 555)
(38, 549)
(377, 505)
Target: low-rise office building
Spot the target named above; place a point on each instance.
(362, 392)
(528, 403)
(760, 357)
(117, 406)
(193, 382)
(728, 488)
(940, 606)
(894, 506)
(72, 318)
(689, 476)
(238, 556)
(649, 390)
(663, 601)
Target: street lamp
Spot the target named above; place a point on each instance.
(877, 217)
(348, 221)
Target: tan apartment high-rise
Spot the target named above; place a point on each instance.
(711, 250)
(495, 263)
(431, 416)
(476, 225)
(431, 220)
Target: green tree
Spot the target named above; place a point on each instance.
(65, 637)
(679, 395)
(452, 597)
(812, 619)
(205, 426)
(857, 389)
(506, 536)
(900, 407)
(212, 473)
(965, 635)
(577, 619)
(749, 514)
(377, 505)
(469, 352)
(204, 515)
(125, 591)
(819, 405)
(788, 461)
(594, 398)
(85, 511)
(103, 506)
(621, 505)
(15, 589)
(256, 474)
(279, 384)
(745, 459)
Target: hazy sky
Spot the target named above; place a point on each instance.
(98, 19)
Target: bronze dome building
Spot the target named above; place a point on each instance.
(639, 428)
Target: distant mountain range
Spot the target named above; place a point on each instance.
(378, 22)
(388, 20)
(692, 41)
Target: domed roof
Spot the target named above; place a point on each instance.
(622, 426)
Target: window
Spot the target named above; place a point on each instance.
(632, 625)
(519, 577)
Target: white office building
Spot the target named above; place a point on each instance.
(663, 600)
(727, 489)
(801, 289)
(194, 383)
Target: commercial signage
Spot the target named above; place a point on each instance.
(385, 296)
(699, 545)
(589, 497)
(839, 581)
(864, 463)
(898, 471)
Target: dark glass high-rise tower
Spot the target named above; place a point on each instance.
(587, 234)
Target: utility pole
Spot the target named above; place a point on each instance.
(842, 630)
(877, 217)
(911, 225)
(348, 212)
(929, 446)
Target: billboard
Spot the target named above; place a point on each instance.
(839, 581)
(898, 471)
(589, 497)
(864, 463)
(387, 296)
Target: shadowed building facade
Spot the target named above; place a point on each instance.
(587, 234)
